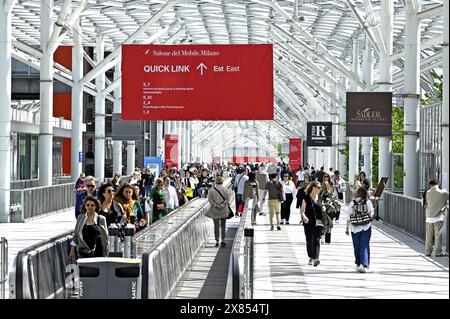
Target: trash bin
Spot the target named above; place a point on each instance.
(110, 278)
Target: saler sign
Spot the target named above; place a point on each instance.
(369, 114)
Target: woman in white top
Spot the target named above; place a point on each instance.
(360, 213)
(289, 191)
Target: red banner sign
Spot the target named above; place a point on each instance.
(197, 82)
(171, 153)
(295, 153)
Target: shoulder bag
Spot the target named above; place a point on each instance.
(230, 211)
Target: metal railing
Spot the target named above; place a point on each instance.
(3, 266)
(403, 212)
(407, 214)
(36, 201)
(169, 245)
(39, 271)
(32, 183)
(240, 274)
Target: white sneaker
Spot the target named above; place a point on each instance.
(362, 269)
(310, 261)
(322, 241)
(357, 268)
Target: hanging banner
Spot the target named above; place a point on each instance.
(171, 151)
(295, 153)
(369, 114)
(197, 82)
(319, 133)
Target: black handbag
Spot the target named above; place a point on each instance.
(230, 211)
(86, 252)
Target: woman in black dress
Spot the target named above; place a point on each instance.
(311, 214)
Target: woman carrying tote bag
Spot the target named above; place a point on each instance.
(219, 199)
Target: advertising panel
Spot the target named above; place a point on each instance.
(153, 164)
(172, 151)
(197, 82)
(319, 133)
(295, 153)
(369, 114)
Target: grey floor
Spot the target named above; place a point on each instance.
(398, 266)
(33, 231)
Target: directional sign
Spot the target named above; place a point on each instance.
(197, 82)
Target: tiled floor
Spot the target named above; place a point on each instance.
(398, 268)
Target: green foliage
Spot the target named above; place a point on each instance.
(280, 154)
(397, 147)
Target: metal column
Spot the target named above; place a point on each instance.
(131, 157)
(100, 113)
(335, 127)
(385, 80)
(6, 113)
(354, 141)
(342, 135)
(117, 145)
(445, 104)
(46, 96)
(367, 142)
(411, 117)
(77, 103)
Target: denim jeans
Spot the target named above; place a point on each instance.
(361, 247)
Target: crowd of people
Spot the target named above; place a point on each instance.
(141, 200)
(319, 195)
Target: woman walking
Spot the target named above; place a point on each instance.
(219, 198)
(360, 213)
(289, 192)
(157, 197)
(90, 237)
(251, 191)
(311, 215)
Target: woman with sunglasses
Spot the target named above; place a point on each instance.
(89, 190)
(90, 237)
(110, 209)
(311, 212)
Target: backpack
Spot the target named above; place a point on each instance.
(360, 215)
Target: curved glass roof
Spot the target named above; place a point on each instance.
(303, 33)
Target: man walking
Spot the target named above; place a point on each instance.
(435, 205)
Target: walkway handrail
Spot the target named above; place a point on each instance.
(239, 281)
(403, 212)
(3, 266)
(406, 213)
(38, 272)
(165, 259)
(41, 200)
